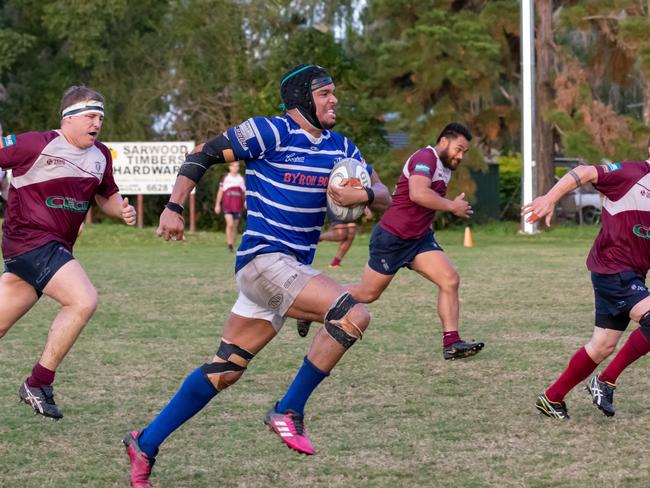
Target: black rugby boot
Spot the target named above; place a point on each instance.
(555, 410)
(602, 395)
(303, 327)
(41, 399)
(462, 349)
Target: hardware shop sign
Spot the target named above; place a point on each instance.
(147, 168)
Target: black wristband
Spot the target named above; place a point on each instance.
(175, 207)
(371, 194)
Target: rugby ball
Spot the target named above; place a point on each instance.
(356, 174)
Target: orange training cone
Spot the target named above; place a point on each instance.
(467, 242)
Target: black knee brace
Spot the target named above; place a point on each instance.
(338, 325)
(644, 322)
(234, 360)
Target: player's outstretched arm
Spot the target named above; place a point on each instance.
(215, 151)
(172, 224)
(420, 192)
(544, 206)
(116, 206)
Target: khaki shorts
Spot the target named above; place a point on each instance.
(268, 286)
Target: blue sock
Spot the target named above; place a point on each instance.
(305, 382)
(194, 394)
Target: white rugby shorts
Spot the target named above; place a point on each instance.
(268, 285)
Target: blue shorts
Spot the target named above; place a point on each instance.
(389, 253)
(235, 215)
(615, 295)
(38, 266)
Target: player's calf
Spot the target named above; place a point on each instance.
(344, 324)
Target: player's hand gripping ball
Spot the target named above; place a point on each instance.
(357, 176)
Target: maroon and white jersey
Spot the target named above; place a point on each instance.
(233, 188)
(623, 243)
(53, 184)
(407, 219)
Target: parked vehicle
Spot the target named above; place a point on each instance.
(583, 205)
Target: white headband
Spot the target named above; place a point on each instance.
(87, 106)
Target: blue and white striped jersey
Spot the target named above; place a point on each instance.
(287, 171)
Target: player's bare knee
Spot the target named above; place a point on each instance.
(601, 350)
(607, 349)
(454, 280)
(451, 281)
(86, 303)
(346, 320)
(228, 366)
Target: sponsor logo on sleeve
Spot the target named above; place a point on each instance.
(7, 141)
(244, 132)
(422, 168)
(609, 167)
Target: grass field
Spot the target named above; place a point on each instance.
(392, 414)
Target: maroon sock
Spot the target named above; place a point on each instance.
(336, 261)
(580, 367)
(449, 338)
(637, 345)
(41, 376)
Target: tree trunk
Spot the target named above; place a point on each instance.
(544, 95)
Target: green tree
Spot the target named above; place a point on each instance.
(105, 44)
(434, 62)
(602, 51)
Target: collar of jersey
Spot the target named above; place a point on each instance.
(444, 168)
(312, 139)
(72, 146)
